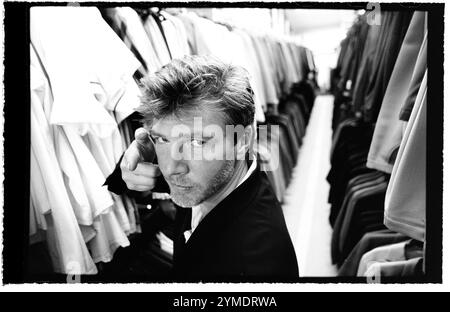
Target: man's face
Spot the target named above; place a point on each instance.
(194, 155)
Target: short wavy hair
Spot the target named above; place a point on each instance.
(195, 83)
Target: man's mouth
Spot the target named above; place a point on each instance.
(180, 186)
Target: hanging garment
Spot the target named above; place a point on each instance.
(404, 268)
(105, 160)
(418, 74)
(406, 194)
(39, 203)
(392, 260)
(176, 35)
(388, 130)
(291, 109)
(241, 56)
(190, 26)
(267, 46)
(109, 236)
(348, 159)
(388, 253)
(157, 38)
(270, 157)
(107, 62)
(66, 244)
(356, 183)
(74, 180)
(361, 84)
(128, 25)
(250, 62)
(349, 227)
(101, 83)
(369, 241)
(267, 71)
(292, 76)
(358, 37)
(385, 58)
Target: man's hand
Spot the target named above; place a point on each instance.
(137, 170)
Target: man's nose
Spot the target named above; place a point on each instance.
(177, 161)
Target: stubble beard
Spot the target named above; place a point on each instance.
(198, 193)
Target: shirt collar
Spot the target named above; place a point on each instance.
(200, 211)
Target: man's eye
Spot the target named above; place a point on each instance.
(160, 140)
(197, 142)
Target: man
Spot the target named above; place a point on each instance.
(229, 224)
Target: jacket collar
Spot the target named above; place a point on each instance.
(223, 214)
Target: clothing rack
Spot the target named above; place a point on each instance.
(377, 229)
(100, 230)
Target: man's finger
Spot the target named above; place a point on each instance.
(142, 188)
(132, 156)
(138, 187)
(147, 169)
(144, 145)
(139, 180)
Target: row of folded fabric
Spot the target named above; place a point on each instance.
(83, 93)
(377, 174)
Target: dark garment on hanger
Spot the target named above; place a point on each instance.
(361, 39)
(292, 109)
(349, 155)
(397, 24)
(300, 100)
(369, 185)
(284, 122)
(368, 242)
(305, 94)
(404, 268)
(365, 69)
(243, 238)
(416, 80)
(349, 226)
(287, 163)
(354, 53)
(355, 182)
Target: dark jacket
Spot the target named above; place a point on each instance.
(244, 238)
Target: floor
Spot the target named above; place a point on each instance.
(305, 205)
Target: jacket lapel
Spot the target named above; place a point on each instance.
(213, 225)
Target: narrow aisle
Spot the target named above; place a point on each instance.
(305, 206)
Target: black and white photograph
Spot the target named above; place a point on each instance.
(225, 142)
